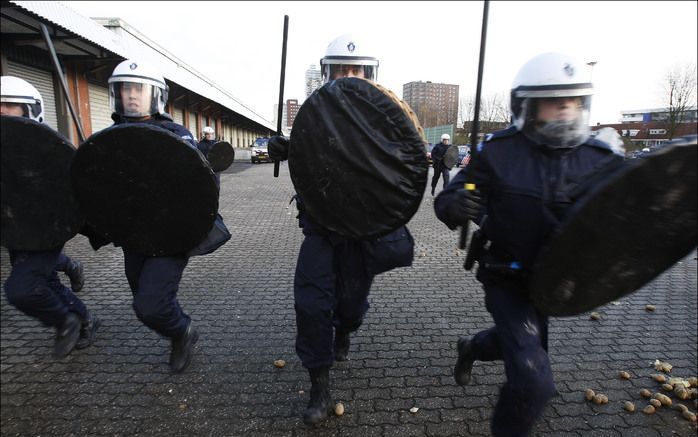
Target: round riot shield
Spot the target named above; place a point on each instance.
(39, 211)
(357, 159)
(221, 156)
(145, 188)
(451, 156)
(620, 235)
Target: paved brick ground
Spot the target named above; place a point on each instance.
(241, 300)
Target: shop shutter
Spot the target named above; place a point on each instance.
(100, 114)
(43, 82)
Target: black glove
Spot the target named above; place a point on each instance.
(465, 205)
(278, 148)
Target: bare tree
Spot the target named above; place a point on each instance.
(494, 113)
(680, 87)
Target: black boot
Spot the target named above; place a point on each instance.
(183, 349)
(341, 345)
(88, 331)
(66, 336)
(464, 365)
(321, 405)
(75, 273)
(432, 190)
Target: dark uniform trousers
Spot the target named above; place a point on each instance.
(154, 282)
(63, 262)
(34, 288)
(520, 339)
(440, 170)
(331, 287)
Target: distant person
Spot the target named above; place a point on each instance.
(209, 140)
(33, 286)
(205, 147)
(440, 168)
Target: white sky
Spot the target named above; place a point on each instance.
(238, 44)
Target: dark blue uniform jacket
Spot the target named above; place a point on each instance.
(527, 189)
(205, 146)
(438, 152)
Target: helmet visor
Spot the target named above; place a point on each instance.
(135, 99)
(340, 67)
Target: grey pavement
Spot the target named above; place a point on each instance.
(241, 299)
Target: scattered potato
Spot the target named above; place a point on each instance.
(693, 381)
(649, 409)
(681, 393)
(589, 394)
(645, 393)
(689, 416)
(662, 366)
(600, 399)
(679, 382)
(658, 377)
(649, 307)
(655, 403)
(680, 407)
(629, 406)
(595, 316)
(668, 387)
(624, 375)
(664, 399)
(414, 410)
(339, 409)
(279, 363)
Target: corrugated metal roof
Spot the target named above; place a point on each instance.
(139, 47)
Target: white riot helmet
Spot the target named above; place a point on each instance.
(445, 137)
(137, 90)
(208, 130)
(16, 90)
(551, 75)
(347, 50)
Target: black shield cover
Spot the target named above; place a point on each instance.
(620, 235)
(145, 188)
(39, 211)
(221, 156)
(357, 160)
(451, 156)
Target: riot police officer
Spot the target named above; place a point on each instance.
(440, 168)
(332, 282)
(208, 140)
(33, 285)
(523, 175)
(138, 94)
(205, 147)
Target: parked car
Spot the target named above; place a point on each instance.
(260, 152)
(463, 155)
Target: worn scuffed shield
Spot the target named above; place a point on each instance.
(221, 156)
(145, 188)
(451, 156)
(357, 159)
(39, 211)
(622, 234)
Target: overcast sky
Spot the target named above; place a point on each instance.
(238, 44)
